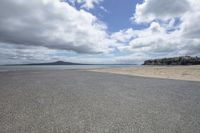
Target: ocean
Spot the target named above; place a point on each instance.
(58, 67)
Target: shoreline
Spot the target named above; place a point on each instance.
(188, 73)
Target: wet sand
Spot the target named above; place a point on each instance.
(78, 101)
(191, 73)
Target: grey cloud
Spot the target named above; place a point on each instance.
(36, 30)
(160, 9)
(21, 53)
(184, 39)
(166, 7)
(51, 24)
(85, 4)
(190, 26)
(156, 42)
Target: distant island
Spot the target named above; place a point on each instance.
(182, 60)
(55, 63)
(48, 63)
(60, 63)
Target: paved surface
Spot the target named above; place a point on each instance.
(72, 101)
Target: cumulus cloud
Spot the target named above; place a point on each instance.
(162, 16)
(190, 21)
(160, 9)
(188, 11)
(48, 30)
(156, 40)
(16, 54)
(85, 4)
(124, 36)
(52, 24)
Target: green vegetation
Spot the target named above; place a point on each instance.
(183, 60)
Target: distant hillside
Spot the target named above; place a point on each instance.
(183, 60)
(60, 63)
(55, 63)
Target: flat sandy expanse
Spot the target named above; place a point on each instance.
(191, 73)
(74, 101)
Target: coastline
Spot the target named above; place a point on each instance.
(190, 73)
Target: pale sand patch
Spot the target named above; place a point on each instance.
(191, 73)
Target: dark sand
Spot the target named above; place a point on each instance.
(74, 101)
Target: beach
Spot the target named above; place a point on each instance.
(100, 66)
(82, 101)
(191, 73)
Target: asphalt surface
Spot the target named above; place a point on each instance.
(74, 101)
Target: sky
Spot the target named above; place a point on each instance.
(98, 31)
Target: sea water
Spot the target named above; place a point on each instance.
(58, 67)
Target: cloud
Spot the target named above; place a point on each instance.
(160, 9)
(50, 30)
(51, 24)
(155, 42)
(85, 4)
(124, 36)
(181, 18)
(190, 21)
(165, 10)
(16, 54)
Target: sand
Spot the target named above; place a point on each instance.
(191, 73)
(78, 101)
